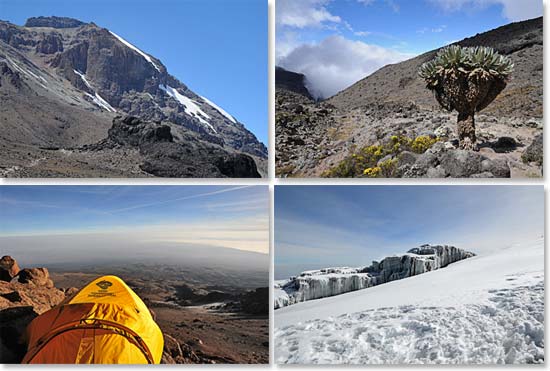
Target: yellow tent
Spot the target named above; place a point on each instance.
(106, 322)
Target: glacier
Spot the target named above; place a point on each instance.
(316, 284)
(488, 309)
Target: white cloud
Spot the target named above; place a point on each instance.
(336, 62)
(514, 10)
(391, 3)
(362, 33)
(433, 30)
(304, 13)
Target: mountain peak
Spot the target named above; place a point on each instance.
(54, 22)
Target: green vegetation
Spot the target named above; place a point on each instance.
(466, 80)
(379, 161)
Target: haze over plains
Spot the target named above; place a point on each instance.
(191, 225)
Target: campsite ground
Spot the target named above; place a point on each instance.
(214, 335)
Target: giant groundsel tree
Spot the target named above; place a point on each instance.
(466, 80)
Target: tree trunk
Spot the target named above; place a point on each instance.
(466, 131)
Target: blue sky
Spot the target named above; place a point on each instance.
(327, 226)
(338, 42)
(219, 51)
(235, 217)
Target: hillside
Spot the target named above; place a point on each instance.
(393, 101)
(488, 309)
(62, 82)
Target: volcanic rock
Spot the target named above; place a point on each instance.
(8, 268)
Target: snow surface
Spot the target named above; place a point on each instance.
(101, 102)
(220, 110)
(83, 77)
(190, 106)
(487, 309)
(144, 55)
(96, 98)
(29, 74)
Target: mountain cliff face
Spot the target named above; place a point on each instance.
(75, 77)
(322, 283)
(291, 81)
(394, 101)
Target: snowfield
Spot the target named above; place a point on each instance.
(487, 309)
(190, 106)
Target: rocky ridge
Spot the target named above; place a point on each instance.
(322, 283)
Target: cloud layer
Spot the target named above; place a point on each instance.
(336, 63)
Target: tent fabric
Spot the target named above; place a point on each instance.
(105, 322)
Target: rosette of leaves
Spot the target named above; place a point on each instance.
(466, 80)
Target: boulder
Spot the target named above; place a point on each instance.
(461, 163)
(8, 268)
(36, 276)
(534, 152)
(498, 167)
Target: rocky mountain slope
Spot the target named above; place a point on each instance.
(63, 81)
(393, 101)
(327, 282)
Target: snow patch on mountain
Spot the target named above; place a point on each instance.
(39, 79)
(96, 98)
(144, 55)
(483, 310)
(101, 102)
(190, 106)
(83, 77)
(220, 110)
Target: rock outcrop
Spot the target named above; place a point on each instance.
(29, 293)
(8, 268)
(327, 282)
(291, 81)
(535, 151)
(442, 160)
(54, 22)
(177, 157)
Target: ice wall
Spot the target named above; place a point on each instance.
(326, 282)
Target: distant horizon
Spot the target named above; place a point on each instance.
(338, 226)
(216, 42)
(221, 224)
(338, 43)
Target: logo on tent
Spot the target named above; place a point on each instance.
(104, 285)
